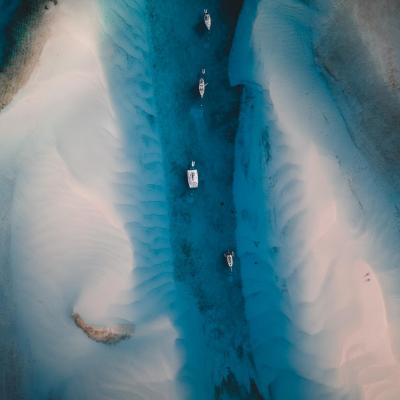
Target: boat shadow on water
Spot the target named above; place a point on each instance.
(201, 30)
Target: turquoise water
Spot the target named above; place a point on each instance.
(8, 21)
(180, 128)
(203, 221)
(231, 338)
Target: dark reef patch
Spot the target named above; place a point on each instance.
(16, 30)
(19, 30)
(369, 99)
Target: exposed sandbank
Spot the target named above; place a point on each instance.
(315, 302)
(87, 219)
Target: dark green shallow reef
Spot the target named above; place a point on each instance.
(19, 20)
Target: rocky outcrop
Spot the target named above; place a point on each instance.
(107, 335)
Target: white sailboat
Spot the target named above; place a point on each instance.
(229, 258)
(207, 19)
(193, 176)
(202, 84)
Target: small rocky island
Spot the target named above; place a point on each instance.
(107, 335)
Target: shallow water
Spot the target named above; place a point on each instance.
(202, 223)
(15, 17)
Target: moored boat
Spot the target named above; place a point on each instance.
(229, 255)
(202, 84)
(193, 176)
(207, 19)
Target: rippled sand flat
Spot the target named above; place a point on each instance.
(71, 248)
(310, 235)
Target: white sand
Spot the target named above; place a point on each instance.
(316, 308)
(62, 148)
